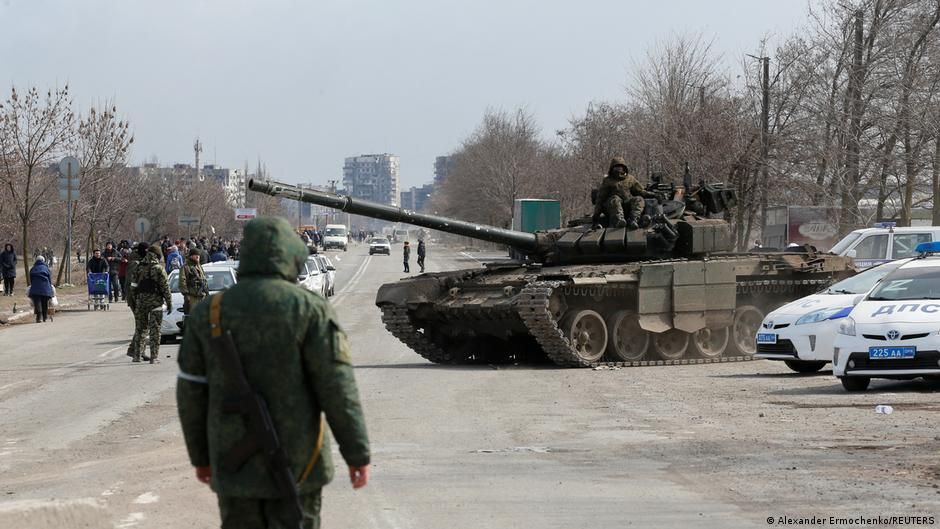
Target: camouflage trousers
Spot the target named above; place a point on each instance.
(147, 322)
(256, 513)
(617, 208)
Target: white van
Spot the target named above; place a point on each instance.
(872, 246)
(335, 236)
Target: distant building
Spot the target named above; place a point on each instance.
(416, 198)
(232, 180)
(443, 167)
(373, 177)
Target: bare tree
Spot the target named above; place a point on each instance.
(35, 128)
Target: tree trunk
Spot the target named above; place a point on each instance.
(936, 181)
(26, 256)
(853, 145)
(910, 174)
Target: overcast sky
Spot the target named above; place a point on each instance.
(304, 83)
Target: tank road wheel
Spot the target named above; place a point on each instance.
(710, 343)
(672, 344)
(628, 341)
(747, 320)
(587, 332)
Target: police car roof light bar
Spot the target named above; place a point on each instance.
(927, 248)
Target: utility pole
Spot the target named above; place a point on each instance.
(764, 138)
(197, 147)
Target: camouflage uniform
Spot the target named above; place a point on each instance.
(149, 290)
(619, 194)
(193, 285)
(295, 356)
(132, 262)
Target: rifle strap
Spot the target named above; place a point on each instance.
(215, 316)
(316, 453)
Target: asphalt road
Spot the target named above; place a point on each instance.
(88, 439)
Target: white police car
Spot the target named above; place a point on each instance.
(895, 331)
(801, 333)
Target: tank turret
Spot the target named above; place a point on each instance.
(670, 229)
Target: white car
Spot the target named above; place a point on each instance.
(219, 276)
(895, 331)
(313, 280)
(801, 333)
(380, 245)
(327, 268)
(871, 246)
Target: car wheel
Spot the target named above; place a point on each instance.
(855, 383)
(804, 366)
(164, 339)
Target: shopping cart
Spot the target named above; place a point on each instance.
(99, 289)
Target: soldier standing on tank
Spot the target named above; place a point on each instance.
(620, 193)
(192, 280)
(273, 323)
(422, 251)
(149, 291)
(406, 255)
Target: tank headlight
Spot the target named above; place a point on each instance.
(847, 327)
(824, 314)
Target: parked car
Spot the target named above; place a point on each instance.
(871, 246)
(313, 280)
(327, 268)
(380, 245)
(801, 333)
(219, 276)
(895, 331)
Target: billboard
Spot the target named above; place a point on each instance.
(245, 213)
(816, 225)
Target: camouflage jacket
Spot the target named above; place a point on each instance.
(623, 188)
(193, 280)
(294, 355)
(149, 287)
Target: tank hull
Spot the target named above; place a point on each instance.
(663, 312)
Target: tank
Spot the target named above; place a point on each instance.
(669, 293)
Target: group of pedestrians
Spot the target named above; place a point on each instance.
(406, 255)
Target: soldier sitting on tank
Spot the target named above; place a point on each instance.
(620, 192)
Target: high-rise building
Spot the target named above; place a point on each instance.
(443, 167)
(373, 177)
(416, 198)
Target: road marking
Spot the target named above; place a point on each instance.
(147, 497)
(339, 297)
(131, 520)
(109, 351)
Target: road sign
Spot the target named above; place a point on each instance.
(186, 220)
(69, 167)
(245, 213)
(142, 226)
(64, 189)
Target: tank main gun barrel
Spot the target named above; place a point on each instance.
(524, 241)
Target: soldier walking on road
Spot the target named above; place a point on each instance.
(620, 193)
(193, 285)
(149, 291)
(237, 348)
(406, 255)
(421, 253)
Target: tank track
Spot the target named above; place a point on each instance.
(532, 306)
(533, 309)
(398, 323)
